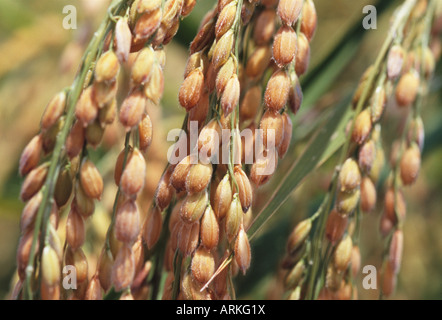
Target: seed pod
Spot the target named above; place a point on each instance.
(30, 155)
(209, 138)
(145, 132)
(200, 111)
(133, 177)
(48, 292)
(272, 125)
(295, 96)
(202, 265)
(142, 67)
(264, 27)
(407, 89)
(355, 260)
(172, 10)
(287, 135)
(160, 55)
(223, 76)
(83, 203)
(164, 192)
(349, 176)
(302, 55)
(284, 46)
(204, 37)
(362, 127)
(86, 110)
(309, 19)
(127, 222)
(91, 180)
(336, 226)
(210, 78)
(153, 89)
(289, 11)
(75, 230)
(198, 178)
(394, 206)
(410, 164)
(50, 135)
(242, 250)
(416, 133)
(244, 188)
(119, 164)
(93, 291)
(342, 255)
(193, 207)
(223, 48)
(63, 188)
(367, 156)
(147, 5)
(388, 280)
(77, 258)
(53, 111)
(277, 90)
(395, 61)
(378, 164)
(250, 103)
(247, 11)
(223, 198)
(368, 195)
(195, 61)
(94, 134)
(152, 228)
(188, 238)
(209, 232)
(234, 219)
(179, 174)
(23, 251)
(298, 235)
(258, 61)
(104, 92)
(123, 270)
(30, 212)
(107, 67)
(264, 167)
(347, 202)
(147, 24)
(105, 269)
(132, 109)
(75, 140)
(34, 181)
(295, 294)
(378, 103)
(396, 248)
(123, 40)
(225, 19)
(429, 62)
(187, 7)
(230, 96)
(191, 89)
(295, 275)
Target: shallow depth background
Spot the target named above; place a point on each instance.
(39, 58)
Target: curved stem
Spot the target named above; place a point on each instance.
(54, 168)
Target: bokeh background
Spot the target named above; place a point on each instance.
(38, 58)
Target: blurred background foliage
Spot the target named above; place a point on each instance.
(39, 58)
